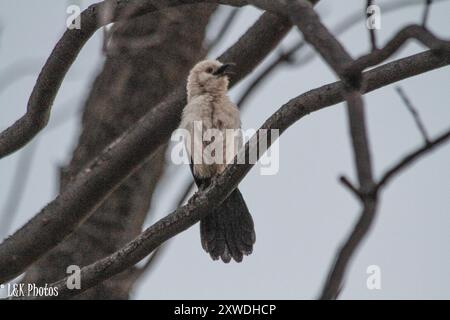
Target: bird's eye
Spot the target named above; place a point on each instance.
(210, 70)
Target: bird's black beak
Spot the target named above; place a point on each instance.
(224, 70)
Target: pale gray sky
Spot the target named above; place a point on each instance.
(302, 214)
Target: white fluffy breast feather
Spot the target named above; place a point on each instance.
(211, 112)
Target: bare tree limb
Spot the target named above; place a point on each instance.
(87, 191)
(358, 133)
(304, 16)
(414, 113)
(202, 202)
(349, 70)
(411, 157)
(336, 56)
(287, 56)
(410, 32)
(367, 216)
(345, 253)
(316, 34)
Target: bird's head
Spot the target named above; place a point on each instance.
(209, 77)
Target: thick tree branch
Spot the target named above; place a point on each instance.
(367, 187)
(369, 201)
(202, 202)
(316, 34)
(86, 192)
(358, 133)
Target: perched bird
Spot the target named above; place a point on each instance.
(227, 232)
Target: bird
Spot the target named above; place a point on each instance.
(228, 231)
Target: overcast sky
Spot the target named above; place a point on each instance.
(302, 214)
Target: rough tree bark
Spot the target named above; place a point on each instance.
(147, 57)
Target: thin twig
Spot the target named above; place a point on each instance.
(351, 187)
(414, 113)
(372, 32)
(426, 12)
(410, 158)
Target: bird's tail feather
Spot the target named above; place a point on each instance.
(228, 232)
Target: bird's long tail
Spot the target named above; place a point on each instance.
(228, 232)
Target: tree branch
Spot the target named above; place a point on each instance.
(337, 58)
(367, 216)
(288, 55)
(411, 158)
(202, 202)
(344, 180)
(316, 34)
(410, 32)
(349, 70)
